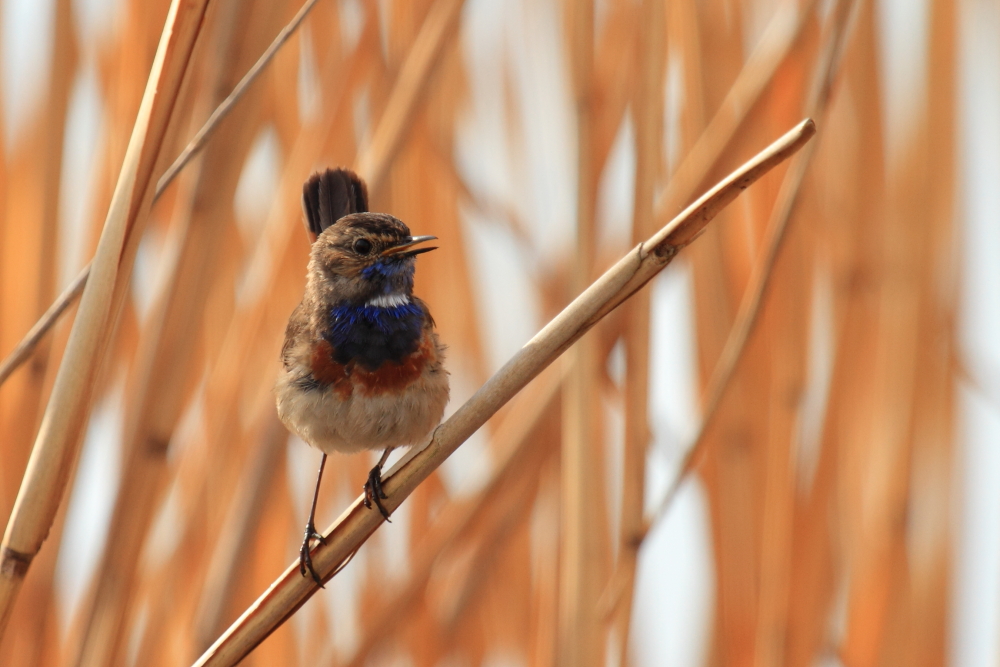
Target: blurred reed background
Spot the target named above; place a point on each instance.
(782, 452)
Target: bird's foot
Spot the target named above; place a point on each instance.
(373, 491)
(305, 558)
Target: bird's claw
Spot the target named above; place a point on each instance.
(373, 491)
(305, 558)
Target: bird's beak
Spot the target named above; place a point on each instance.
(404, 247)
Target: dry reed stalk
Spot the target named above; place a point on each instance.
(604, 80)
(580, 638)
(7, 485)
(925, 609)
(609, 111)
(882, 480)
(167, 344)
(39, 588)
(784, 30)
(750, 307)
(788, 337)
(814, 570)
(57, 444)
(648, 114)
(721, 37)
(39, 156)
(781, 34)
(926, 633)
(543, 613)
(21, 264)
(26, 254)
(853, 171)
(614, 76)
(354, 527)
(31, 239)
(761, 276)
(34, 636)
(438, 27)
(241, 519)
(161, 377)
(496, 557)
(898, 568)
(783, 324)
(863, 263)
(26, 346)
(683, 33)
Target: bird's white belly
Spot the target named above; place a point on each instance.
(330, 422)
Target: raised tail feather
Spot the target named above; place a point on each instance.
(330, 195)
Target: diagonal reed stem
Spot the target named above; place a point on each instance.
(631, 273)
(27, 345)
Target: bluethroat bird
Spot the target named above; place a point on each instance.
(362, 362)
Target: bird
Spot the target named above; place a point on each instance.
(362, 364)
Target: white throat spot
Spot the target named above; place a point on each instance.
(388, 301)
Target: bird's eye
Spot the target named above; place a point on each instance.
(362, 246)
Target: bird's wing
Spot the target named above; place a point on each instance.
(297, 323)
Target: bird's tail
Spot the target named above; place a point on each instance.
(330, 195)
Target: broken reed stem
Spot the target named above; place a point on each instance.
(23, 351)
(357, 524)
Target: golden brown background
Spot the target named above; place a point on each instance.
(841, 506)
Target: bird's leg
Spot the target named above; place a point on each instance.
(373, 487)
(305, 559)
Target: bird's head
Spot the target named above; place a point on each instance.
(358, 258)
(365, 259)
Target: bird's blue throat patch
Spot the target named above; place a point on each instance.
(372, 335)
(395, 276)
